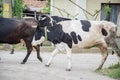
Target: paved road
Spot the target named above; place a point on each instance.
(83, 68)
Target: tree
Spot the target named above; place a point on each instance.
(1, 8)
(17, 10)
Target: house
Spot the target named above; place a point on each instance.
(67, 8)
(35, 5)
(80, 9)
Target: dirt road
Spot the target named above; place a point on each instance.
(83, 67)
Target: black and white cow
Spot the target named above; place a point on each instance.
(44, 19)
(79, 33)
(16, 31)
(49, 21)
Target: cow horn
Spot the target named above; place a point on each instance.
(43, 18)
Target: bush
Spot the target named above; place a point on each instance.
(17, 10)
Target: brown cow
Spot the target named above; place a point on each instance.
(14, 31)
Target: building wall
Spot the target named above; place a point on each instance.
(64, 5)
(93, 5)
(90, 5)
(68, 7)
(79, 11)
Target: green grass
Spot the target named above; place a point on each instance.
(112, 71)
(16, 47)
(1, 44)
(19, 47)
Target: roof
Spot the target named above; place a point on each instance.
(35, 4)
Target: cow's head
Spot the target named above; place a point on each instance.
(44, 20)
(39, 36)
(111, 29)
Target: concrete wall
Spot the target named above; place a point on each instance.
(64, 5)
(69, 7)
(79, 11)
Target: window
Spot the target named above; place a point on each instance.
(113, 14)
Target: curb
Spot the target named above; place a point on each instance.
(75, 50)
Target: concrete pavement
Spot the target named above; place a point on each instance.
(83, 66)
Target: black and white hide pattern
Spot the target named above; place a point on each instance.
(15, 31)
(49, 21)
(79, 33)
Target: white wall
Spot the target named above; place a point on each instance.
(80, 12)
(65, 5)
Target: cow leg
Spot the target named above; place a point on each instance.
(38, 52)
(104, 53)
(52, 56)
(29, 50)
(12, 49)
(68, 50)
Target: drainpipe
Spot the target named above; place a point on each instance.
(51, 8)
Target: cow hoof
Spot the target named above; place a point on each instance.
(22, 62)
(11, 52)
(68, 69)
(97, 69)
(40, 59)
(47, 65)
